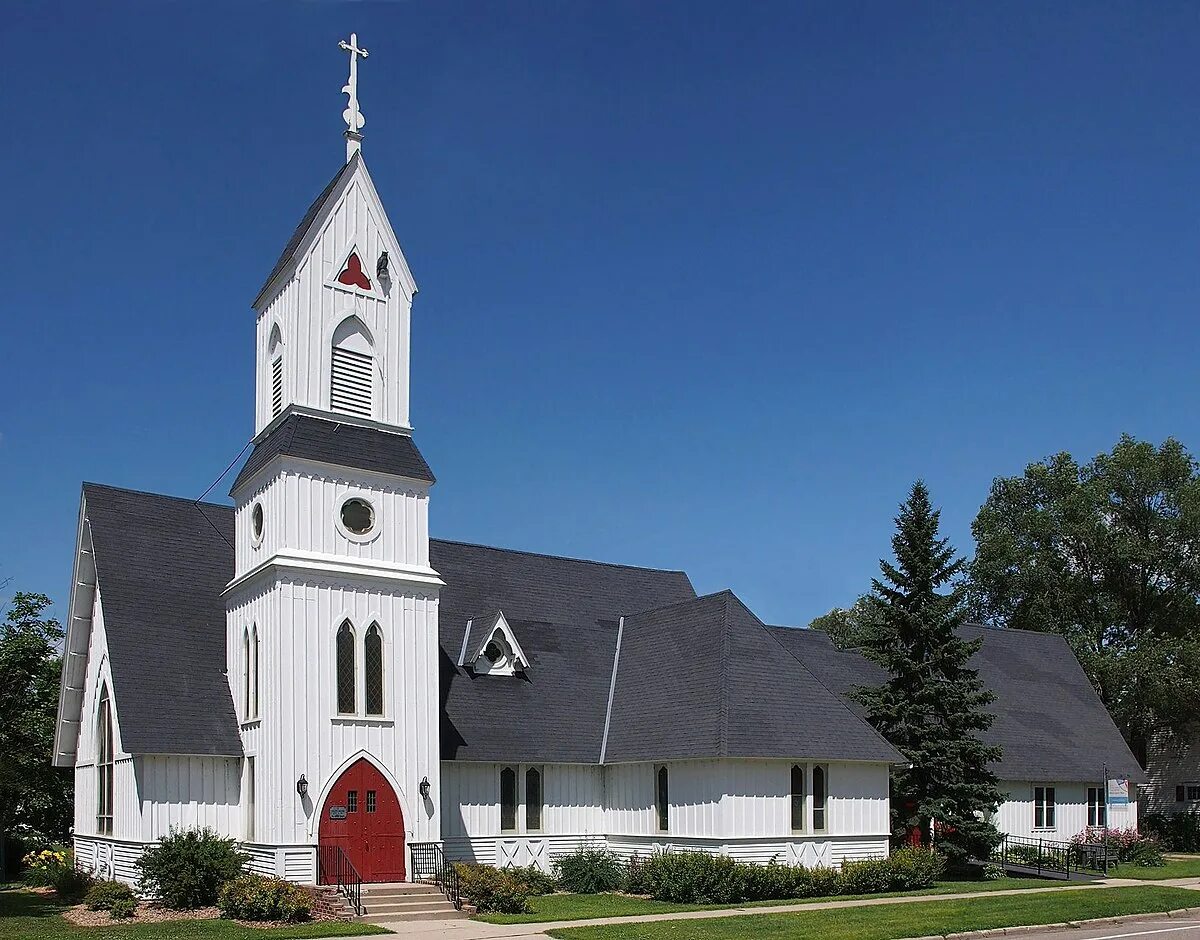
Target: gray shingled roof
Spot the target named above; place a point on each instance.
(705, 678)
(161, 565)
(564, 613)
(340, 444)
(289, 250)
(1050, 723)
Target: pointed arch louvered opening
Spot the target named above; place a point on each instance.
(352, 370)
(275, 354)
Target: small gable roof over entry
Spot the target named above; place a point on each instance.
(161, 565)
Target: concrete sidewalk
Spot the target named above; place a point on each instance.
(477, 930)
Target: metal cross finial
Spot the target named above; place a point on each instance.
(352, 115)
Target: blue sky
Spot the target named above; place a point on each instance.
(703, 286)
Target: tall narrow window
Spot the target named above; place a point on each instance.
(533, 800)
(1097, 810)
(275, 354)
(662, 799)
(373, 667)
(251, 784)
(352, 370)
(346, 698)
(254, 671)
(820, 796)
(1043, 807)
(797, 798)
(104, 765)
(246, 674)
(508, 800)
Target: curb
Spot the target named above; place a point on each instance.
(1062, 925)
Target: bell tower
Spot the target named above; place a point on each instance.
(333, 608)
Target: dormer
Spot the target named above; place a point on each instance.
(490, 647)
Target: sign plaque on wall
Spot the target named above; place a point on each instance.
(337, 812)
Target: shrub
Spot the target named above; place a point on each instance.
(1131, 846)
(915, 868)
(1175, 832)
(123, 908)
(535, 880)
(590, 871)
(102, 895)
(492, 890)
(992, 872)
(637, 871)
(256, 897)
(187, 868)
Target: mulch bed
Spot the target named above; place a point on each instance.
(148, 913)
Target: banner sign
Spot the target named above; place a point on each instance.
(1118, 791)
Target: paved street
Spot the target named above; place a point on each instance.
(1160, 928)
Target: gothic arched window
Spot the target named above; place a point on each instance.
(352, 370)
(347, 703)
(662, 799)
(246, 667)
(373, 668)
(275, 357)
(104, 765)
(797, 798)
(254, 672)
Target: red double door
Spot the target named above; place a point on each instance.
(362, 816)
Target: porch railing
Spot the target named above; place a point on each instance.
(429, 863)
(334, 868)
(1048, 858)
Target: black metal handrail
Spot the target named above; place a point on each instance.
(1045, 857)
(334, 868)
(429, 863)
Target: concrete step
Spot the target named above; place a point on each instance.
(392, 893)
(380, 909)
(400, 887)
(392, 918)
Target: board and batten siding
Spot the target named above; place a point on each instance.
(737, 807)
(1173, 761)
(301, 507)
(308, 309)
(299, 730)
(1015, 815)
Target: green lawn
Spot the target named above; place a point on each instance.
(28, 916)
(890, 921)
(580, 906)
(1175, 868)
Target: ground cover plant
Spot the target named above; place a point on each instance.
(25, 915)
(892, 921)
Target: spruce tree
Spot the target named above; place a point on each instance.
(933, 707)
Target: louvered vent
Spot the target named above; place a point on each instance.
(350, 382)
(277, 386)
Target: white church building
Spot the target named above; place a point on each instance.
(309, 671)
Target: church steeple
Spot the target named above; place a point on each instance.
(333, 316)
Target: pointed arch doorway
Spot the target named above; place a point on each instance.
(362, 816)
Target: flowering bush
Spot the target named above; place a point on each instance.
(1129, 845)
(55, 868)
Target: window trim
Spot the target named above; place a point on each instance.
(106, 764)
(541, 802)
(372, 533)
(662, 798)
(516, 796)
(1049, 802)
(1097, 808)
(377, 630)
(258, 523)
(348, 625)
(820, 806)
(801, 794)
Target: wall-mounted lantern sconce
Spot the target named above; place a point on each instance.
(424, 788)
(302, 786)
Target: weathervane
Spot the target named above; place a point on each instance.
(352, 115)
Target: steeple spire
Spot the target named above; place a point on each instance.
(352, 115)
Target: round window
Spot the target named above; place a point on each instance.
(358, 516)
(256, 521)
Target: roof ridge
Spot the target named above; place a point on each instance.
(135, 492)
(583, 561)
